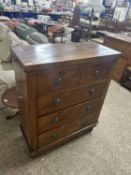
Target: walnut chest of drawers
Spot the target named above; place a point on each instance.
(121, 43)
(61, 89)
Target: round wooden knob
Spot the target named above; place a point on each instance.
(92, 91)
(55, 136)
(59, 81)
(88, 108)
(58, 101)
(97, 72)
(56, 120)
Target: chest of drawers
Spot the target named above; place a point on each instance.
(61, 89)
(126, 80)
(123, 44)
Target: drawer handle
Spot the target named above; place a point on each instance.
(92, 91)
(55, 136)
(59, 81)
(88, 109)
(58, 101)
(97, 73)
(56, 120)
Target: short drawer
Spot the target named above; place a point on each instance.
(54, 101)
(96, 72)
(59, 118)
(58, 79)
(64, 130)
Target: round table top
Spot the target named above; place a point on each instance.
(9, 98)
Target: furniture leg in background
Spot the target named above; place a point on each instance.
(9, 99)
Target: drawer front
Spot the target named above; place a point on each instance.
(59, 118)
(96, 72)
(58, 79)
(62, 99)
(64, 130)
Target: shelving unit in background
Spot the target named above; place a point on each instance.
(66, 4)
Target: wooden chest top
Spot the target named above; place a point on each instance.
(120, 37)
(43, 56)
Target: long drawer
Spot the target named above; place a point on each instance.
(59, 118)
(69, 78)
(58, 133)
(58, 100)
